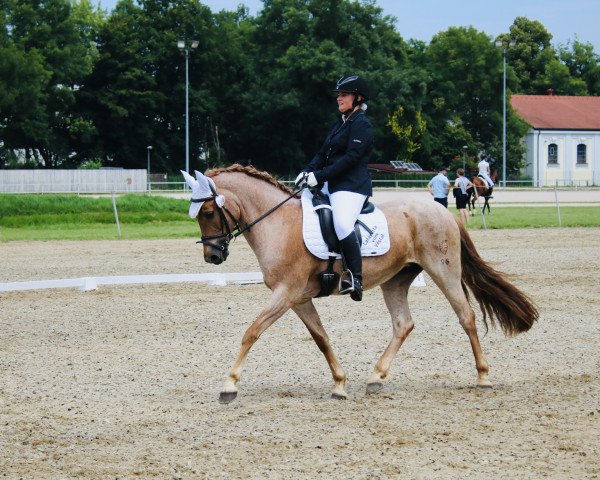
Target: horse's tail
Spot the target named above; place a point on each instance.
(497, 297)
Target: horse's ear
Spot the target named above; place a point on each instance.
(195, 186)
(191, 182)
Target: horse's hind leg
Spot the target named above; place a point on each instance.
(395, 293)
(449, 281)
(308, 314)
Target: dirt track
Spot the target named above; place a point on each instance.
(123, 382)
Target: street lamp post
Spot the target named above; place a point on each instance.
(464, 158)
(185, 47)
(505, 46)
(148, 148)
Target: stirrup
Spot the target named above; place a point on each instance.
(346, 282)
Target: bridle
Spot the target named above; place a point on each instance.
(228, 233)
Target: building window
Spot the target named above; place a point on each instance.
(553, 154)
(581, 154)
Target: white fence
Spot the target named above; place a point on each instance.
(125, 181)
(104, 180)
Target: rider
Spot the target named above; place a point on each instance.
(340, 166)
(484, 171)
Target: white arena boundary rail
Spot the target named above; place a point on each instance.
(86, 284)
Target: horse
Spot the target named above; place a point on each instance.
(482, 190)
(424, 236)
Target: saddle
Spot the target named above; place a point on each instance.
(490, 188)
(323, 208)
(321, 204)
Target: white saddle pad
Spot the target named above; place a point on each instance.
(373, 244)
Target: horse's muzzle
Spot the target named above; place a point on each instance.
(216, 257)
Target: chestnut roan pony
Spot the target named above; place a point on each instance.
(424, 236)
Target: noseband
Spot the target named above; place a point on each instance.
(226, 231)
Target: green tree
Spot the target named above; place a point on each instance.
(465, 100)
(120, 94)
(48, 30)
(583, 63)
(558, 79)
(22, 113)
(137, 91)
(302, 47)
(407, 130)
(463, 105)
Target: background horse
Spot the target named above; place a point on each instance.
(482, 191)
(424, 236)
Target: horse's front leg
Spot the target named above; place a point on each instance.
(278, 304)
(308, 314)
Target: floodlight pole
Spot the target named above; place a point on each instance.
(464, 158)
(185, 47)
(505, 46)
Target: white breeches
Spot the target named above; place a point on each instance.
(487, 178)
(346, 209)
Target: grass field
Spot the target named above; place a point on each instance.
(536, 217)
(72, 217)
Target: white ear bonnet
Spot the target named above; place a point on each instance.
(203, 188)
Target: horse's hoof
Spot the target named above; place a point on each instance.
(227, 397)
(485, 384)
(337, 396)
(374, 387)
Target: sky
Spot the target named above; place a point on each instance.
(422, 19)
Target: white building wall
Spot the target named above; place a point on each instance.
(73, 181)
(566, 171)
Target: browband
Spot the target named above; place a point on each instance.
(205, 199)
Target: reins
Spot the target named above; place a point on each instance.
(226, 231)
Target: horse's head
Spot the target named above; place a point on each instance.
(209, 209)
(494, 174)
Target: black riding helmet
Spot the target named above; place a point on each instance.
(353, 84)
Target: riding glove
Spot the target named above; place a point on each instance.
(300, 179)
(311, 180)
(306, 179)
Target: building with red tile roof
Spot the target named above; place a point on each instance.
(563, 145)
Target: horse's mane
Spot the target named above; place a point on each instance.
(252, 172)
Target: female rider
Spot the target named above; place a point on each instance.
(340, 166)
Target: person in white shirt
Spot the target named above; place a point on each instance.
(484, 172)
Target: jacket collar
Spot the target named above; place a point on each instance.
(352, 115)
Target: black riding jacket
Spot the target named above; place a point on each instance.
(343, 159)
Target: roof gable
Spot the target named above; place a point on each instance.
(556, 112)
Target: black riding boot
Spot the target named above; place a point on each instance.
(351, 280)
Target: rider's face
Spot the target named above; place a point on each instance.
(344, 101)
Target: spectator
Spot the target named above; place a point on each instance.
(460, 193)
(439, 186)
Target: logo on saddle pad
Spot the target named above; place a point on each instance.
(372, 228)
